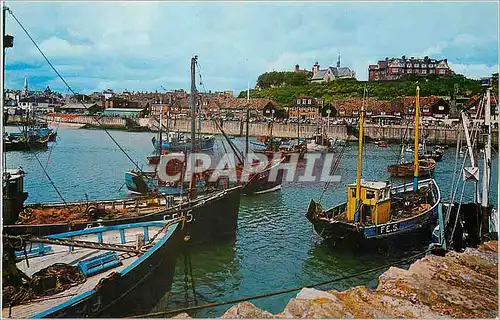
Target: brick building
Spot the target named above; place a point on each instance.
(305, 107)
(395, 68)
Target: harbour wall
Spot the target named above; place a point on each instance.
(390, 133)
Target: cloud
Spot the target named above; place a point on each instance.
(55, 47)
(474, 71)
(142, 46)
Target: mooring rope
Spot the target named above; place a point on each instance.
(281, 292)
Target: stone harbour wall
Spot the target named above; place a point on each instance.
(458, 285)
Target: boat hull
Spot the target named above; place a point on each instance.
(403, 232)
(132, 291)
(426, 169)
(211, 219)
(259, 183)
(203, 145)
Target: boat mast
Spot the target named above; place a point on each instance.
(415, 145)
(487, 153)
(360, 156)
(465, 121)
(193, 124)
(247, 120)
(160, 136)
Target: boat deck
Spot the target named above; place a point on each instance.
(62, 254)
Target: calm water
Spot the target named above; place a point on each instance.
(275, 248)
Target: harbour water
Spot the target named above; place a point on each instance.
(275, 248)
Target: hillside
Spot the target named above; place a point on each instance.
(387, 90)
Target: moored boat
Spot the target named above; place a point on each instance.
(426, 168)
(214, 211)
(111, 271)
(376, 212)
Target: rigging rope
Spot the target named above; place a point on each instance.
(71, 89)
(44, 169)
(276, 293)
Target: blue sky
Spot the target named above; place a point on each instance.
(145, 45)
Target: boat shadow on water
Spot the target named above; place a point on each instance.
(216, 270)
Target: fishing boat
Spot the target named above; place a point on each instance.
(253, 180)
(155, 159)
(405, 168)
(178, 142)
(252, 177)
(467, 224)
(382, 144)
(211, 217)
(104, 272)
(377, 212)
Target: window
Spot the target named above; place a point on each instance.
(424, 65)
(309, 101)
(409, 71)
(408, 65)
(368, 113)
(395, 70)
(397, 113)
(424, 71)
(353, 192)
(442, 71)
(382, 113)
(298, 101)
(370, 194)
(425, 109)
(441, 108)
(432, 71)
(355, 112)
(416, 65)
(304, 101)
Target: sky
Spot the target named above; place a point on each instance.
(144, 46)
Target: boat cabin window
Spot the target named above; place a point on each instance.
(353, 192)
(370, 194)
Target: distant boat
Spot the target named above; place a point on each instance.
(178, 142)
(382, 144)
(101, 272)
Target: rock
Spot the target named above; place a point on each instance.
(458, 285)
(449, 285)
(182, 316)
(246, 310)
(312, 303)
(362, 302)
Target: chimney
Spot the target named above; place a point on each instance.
(316, 67)
(297, 68)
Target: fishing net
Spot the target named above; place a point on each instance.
(56, 278)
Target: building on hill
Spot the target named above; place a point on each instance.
(395, 68)
(307, 72)
(331, 73)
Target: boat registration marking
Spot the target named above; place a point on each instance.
(388, 228)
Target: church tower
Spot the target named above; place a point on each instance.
(338, 60)
(25, 88)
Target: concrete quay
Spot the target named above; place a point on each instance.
(389, 133)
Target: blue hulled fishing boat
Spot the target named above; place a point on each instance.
(377, 211)
(111, 271)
